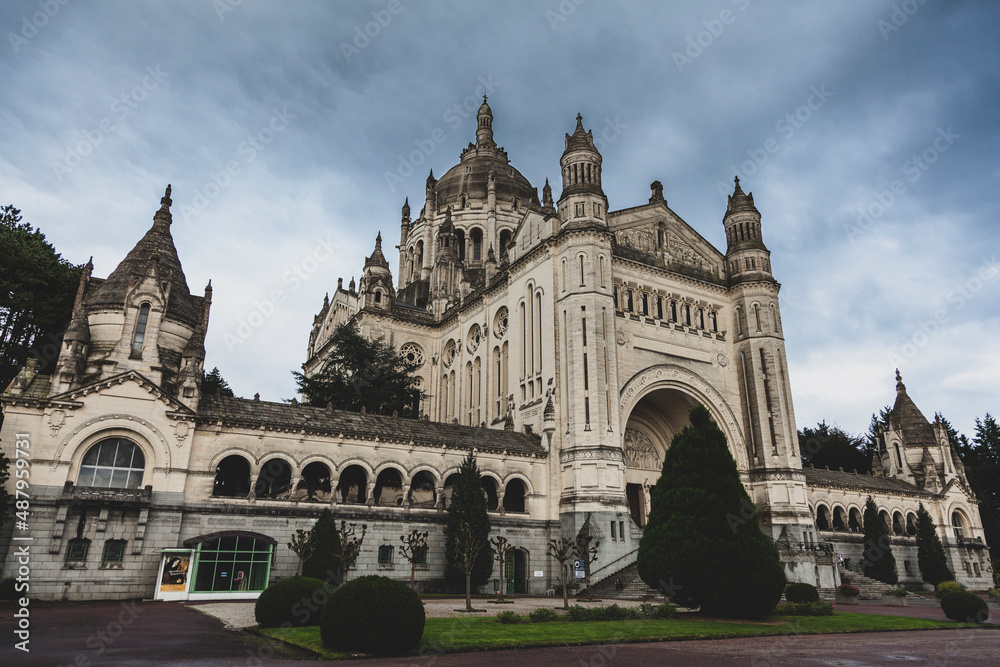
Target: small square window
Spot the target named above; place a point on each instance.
(76, 550)
(114, 551)
(385, 556)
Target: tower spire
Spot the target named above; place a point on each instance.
(484, 126)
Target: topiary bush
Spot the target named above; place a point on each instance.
(373, 615)
(542, 616)
(509, 617)
(965, 607)
(647, 610)
(801, 593)
(296, 601)
(946, 587)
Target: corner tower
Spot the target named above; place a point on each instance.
(583, 201)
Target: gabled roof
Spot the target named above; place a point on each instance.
(255, 413)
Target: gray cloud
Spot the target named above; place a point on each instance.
(354, 106)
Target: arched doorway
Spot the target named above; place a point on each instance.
(516, 572)
(654, 421)
(654, 407)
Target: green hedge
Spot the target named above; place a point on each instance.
(816, 608)
(801, 593)
(292, 602)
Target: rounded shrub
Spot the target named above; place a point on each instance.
(373, 615)
(965, 607)
(509, 617)
(801, 593)
(542, 616)
(296, 601)
(946, 587)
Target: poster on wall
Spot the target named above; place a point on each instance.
(175, 573)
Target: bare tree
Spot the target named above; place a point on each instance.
(562, 550)
(351, 544)
(465, 553)
(413, 549)
(301, 545)
(586, 550)
(500, 547)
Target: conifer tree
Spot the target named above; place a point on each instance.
(877, 560)
(467, 532)
(325, 558)
(931, 560)
(703, 546)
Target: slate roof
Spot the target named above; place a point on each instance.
(850, 480)
(253, 413)
(906, 416)
(156, 247)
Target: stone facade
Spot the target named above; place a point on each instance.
(560, 341)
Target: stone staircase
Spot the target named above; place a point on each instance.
(635, 588)
(871, 589)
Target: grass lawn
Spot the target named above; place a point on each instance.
(444, 635)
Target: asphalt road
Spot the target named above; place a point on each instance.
(168, 633)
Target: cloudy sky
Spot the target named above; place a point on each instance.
(291, 132)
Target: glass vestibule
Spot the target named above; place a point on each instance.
(233, 564)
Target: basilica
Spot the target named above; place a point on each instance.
(561, 341)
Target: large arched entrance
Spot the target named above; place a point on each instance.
(654, 407)
(652, 424)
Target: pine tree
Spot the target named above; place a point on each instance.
(467, 532)
(702, 545)
(877, 560)
(981, 458)
(213, 382)
(363, 373)
(930, 553)
(325, 560)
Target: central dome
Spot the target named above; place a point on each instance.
(470, 177)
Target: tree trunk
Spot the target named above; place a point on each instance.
(468, 591)
(413, 572)
(562, 578)
(586, 577)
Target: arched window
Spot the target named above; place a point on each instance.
(353, 485)
(582, 282)
(958, 525)
(513, 496)
(422, 492)
(114, 463)
(897, 524)
(756, 315)
(232, 477)
(822, 518)
(839, 518)
(854, 523)
(316, 480)
(476, 235)
(460, 244)
(388, 488)
(274, 480)
(140, 329)
(490, 489)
